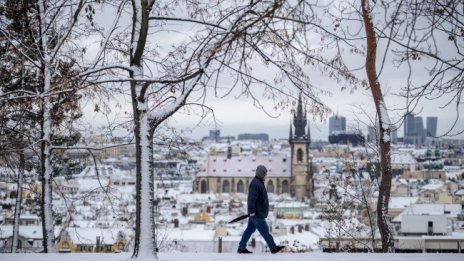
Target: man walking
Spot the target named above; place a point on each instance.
(258, 209)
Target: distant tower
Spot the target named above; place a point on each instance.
(215, 135)
(337, 124)
(431, 123)
(409, 130)
(301, 185)
(420, 132)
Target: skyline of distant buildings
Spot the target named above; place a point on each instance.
(414, 132)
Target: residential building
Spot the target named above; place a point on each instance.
(76, 239)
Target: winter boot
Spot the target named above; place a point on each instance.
(244, 251)
(277, 249)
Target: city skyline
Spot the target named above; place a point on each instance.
(232, 123)
(235, 116)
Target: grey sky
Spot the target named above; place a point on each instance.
(240, 116)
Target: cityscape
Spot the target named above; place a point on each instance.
(231, 130)
(314, 187)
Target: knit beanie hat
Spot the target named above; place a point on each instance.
(261, 171)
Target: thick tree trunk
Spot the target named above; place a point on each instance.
(384, 123)
(19, 198)
(145, 228)
(46, 171)
(46, 166)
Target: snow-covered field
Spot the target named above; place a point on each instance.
(177, 256)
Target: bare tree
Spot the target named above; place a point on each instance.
(384, 130)
(426, 39)
(354, 33)
(423, 37)
(43, 45)
(227, 40)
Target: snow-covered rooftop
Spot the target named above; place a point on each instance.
(433, 209)
(401, 202)
(103, 171)
(245, 166)
(89, 235)
(29, 232)
(400, 157)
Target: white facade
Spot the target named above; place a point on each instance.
(424, 225)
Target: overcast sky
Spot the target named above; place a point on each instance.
(235, 116)
(240, 116)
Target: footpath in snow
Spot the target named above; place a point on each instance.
(177, 256)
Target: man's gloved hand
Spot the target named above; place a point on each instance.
(252, 214)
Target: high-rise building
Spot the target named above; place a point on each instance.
(431, 130)
(409, 130)
(414, 131)
(337, 124)
(215, 134)
(420, 132)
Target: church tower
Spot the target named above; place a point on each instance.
(301, 185)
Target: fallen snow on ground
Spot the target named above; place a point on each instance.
(178, 256)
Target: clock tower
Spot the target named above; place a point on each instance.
(301, 185)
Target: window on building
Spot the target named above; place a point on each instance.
(299, 155)
(240, 187)
(203, 187)
(226, 187)
(285, 187)
(270, 186)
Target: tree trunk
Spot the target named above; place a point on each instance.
(384, 123)
(145, 227)
(19, 198)
(46, 171)
(46, 166)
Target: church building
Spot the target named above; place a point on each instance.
(232, 174)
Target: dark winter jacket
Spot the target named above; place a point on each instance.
(258, 201)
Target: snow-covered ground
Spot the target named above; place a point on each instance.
(177, 256)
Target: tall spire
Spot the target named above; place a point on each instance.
(299, 120)
(300, 107)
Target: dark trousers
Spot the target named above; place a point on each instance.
(261, 225)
